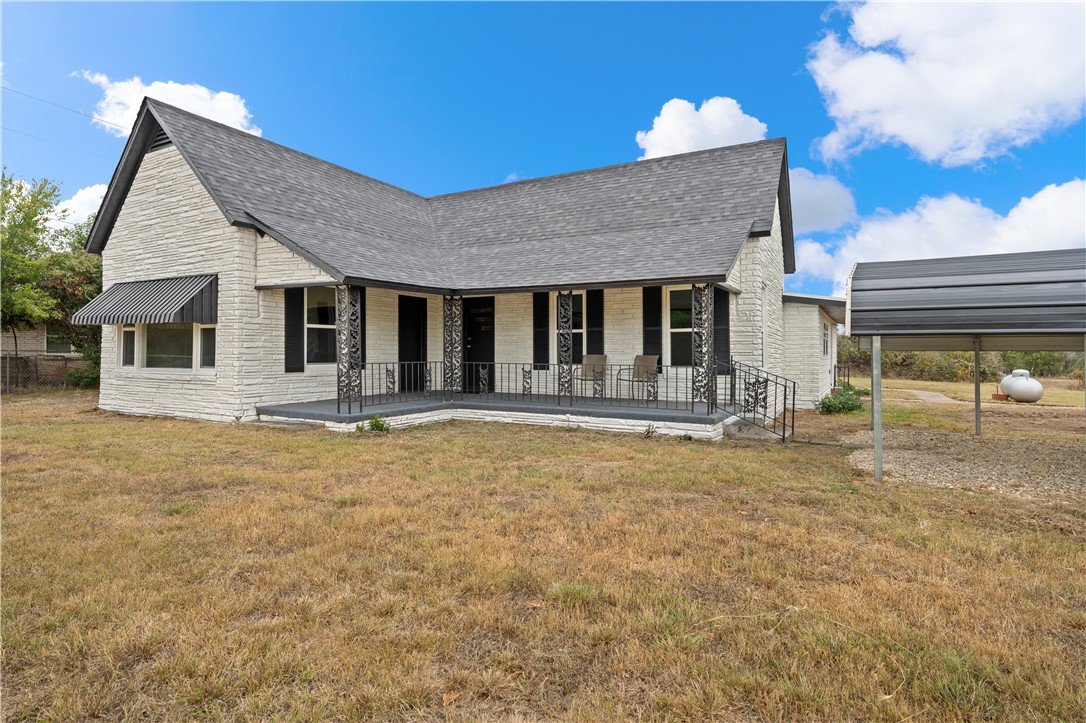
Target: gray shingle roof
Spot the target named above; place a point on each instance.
(1037, 292)
(679, 217)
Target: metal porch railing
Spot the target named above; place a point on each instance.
(755, 395)
(759, 397)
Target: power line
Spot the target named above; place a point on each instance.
(64, 107)
(55, 143)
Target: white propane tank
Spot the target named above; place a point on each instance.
(1020, 387)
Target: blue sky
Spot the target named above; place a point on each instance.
(923, 131)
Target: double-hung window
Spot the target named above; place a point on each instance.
(128, 345)
(825, 339)
(681, 326)
(207, 347)
(320, 325)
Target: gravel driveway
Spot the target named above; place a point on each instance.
(1021, 467)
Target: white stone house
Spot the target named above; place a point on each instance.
(244, 279)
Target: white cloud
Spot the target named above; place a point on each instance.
(955, 82)
(512, 177)
(121, 101)
(819, 202)
(1052, 218)
(76, 209)
(680, 127)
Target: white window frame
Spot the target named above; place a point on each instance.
(121, 329)
(554, 324)
(666, 322)
(825, 339)
(141, 352)
(308, 326)
(198, 347)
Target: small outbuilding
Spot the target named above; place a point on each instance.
(1031, 301)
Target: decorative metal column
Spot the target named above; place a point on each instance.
(452, 322)
(348, 346)
(704, 382)
(565, 344)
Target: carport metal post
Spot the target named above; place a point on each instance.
(976, 382)
(876, 402)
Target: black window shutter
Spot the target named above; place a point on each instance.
(594, 318)
(721, 330)
(362, 324)
(652, 310)
(294, 330)
(541, 331)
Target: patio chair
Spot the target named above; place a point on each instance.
(593, 370)
(643, 372)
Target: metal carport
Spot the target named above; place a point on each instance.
(1031, 301)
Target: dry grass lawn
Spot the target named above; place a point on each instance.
(1058, 392)
(167, 569)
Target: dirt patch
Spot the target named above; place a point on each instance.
(1021, 467)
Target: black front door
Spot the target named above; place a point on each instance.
(479, 344)
(412, 343)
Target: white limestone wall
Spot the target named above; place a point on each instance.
(262, 353)
(513, 328)
(805, 363)
(169, 227)
(804, 352)
(825, 380)
(773, 286)
(757, 313)
(276, 264)
(622, 325)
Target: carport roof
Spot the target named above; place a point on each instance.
(1029, 300)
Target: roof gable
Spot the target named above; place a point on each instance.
(680, 217)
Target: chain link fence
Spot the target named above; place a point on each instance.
(30, 370)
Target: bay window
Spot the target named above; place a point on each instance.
(167, 346)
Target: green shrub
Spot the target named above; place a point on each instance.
(84, 377)
(378, 424)
(849, 388)
(837, 404)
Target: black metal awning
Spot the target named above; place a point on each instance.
(181, 300)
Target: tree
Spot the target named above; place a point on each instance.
(25, 209)
(73, 277)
